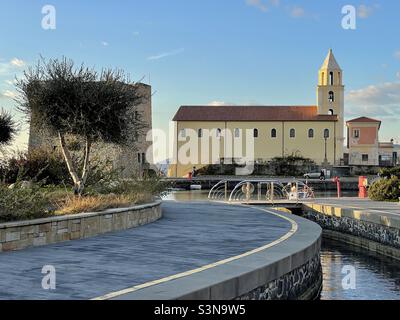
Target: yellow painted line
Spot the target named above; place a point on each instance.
(293, 230)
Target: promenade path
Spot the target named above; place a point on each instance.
(389, 209)
(189, 236)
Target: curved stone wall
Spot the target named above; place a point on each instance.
(368, 230)
(287, 269)
(24, 234)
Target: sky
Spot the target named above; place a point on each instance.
(264, 52)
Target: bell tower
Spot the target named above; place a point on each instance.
(330, 96)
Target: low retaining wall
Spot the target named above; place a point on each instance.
(289, 269)
(380, 233)
(24, 234)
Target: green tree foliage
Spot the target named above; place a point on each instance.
(8, 128)
(78, 101)
(386, 189)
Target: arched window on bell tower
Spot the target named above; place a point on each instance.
(331, 96)
(331, 78)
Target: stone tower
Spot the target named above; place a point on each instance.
(330, 97)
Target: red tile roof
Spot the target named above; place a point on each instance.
(363, 119)
(251, 113)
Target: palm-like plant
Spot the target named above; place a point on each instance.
(8, 128)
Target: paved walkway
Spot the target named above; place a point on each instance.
(382, 208)
(189, 236)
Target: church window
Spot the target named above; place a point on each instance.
(311, 133)
(331, 96)
(200, 133)
(292, 133)
(237, 133)
(255, 133)
(273, 133)
(323, 78)
(365, 157)
(326, 133)
(219, 131)
(356, 133)
(331, 112)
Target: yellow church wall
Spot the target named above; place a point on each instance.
(313, 148)
(265, 147)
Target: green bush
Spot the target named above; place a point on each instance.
(292, 165)
(23, 204)
(37, 165)
(389, 172)
(386, 189)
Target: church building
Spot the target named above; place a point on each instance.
(315, 132)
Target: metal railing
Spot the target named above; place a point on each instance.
(270, 191)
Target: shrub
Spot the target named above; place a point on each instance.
(292, 165)
(37, 165)
(23, 204)
(389, 172)
(385, 189)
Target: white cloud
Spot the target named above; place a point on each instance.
(105, 44)
(8, 94)
(7, 68)
(11, 82)
(297, 12)
(259, 4)
(382, 100)
(219, 103)
(364, 11)
(17, 63)
(166, 54)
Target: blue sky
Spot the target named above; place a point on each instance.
(226, 51)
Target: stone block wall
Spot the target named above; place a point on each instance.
(24, 234)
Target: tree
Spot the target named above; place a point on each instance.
(8, 128)
(78, 101)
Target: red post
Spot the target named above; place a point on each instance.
(190, 175)
(362, 186)
(338, 186)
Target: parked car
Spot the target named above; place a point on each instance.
(316, 175)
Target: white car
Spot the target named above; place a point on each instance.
(314, 175)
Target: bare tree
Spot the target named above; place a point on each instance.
(78, 101)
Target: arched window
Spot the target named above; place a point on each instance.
(255, 133)
(273, 133)
(292, 133)
(331, 96)
(200, 133)
(323, 78)
(311, 133)
(331, 112)
(331, 78)
(183, 133)
(340, 77)
(219, 132)
(326, 133)
(237, 133)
